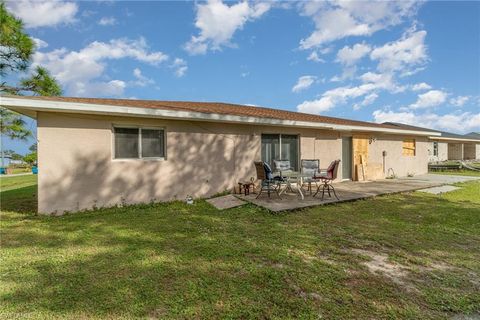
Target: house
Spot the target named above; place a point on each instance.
(103, 152)
(5, 161)
(449, 146)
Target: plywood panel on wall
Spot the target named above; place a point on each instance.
(360, 152)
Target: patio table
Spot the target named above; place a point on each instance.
(294, 177)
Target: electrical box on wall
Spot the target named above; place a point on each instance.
(384, 153)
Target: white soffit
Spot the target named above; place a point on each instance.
(31, 106)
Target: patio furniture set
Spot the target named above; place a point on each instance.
(286, 179)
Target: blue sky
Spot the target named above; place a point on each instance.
(412, 62)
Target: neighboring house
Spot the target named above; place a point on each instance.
(475, 135)
(449, 146)
(102, 152)
(17, 162)
(5, 161)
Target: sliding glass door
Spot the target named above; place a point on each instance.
(280, 147)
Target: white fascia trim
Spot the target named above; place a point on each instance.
(455, 139)
(87, 108)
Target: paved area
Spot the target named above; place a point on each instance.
(225, 202)
(349, 191)
(439, 190)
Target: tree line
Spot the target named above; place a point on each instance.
(18, 78)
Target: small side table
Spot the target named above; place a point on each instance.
(246, 187)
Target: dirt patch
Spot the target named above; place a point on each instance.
(379, 264)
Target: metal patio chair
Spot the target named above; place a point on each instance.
(310, 167)
(327, 178)
(268, 183)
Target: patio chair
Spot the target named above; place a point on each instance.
(268, 183)
(310, 167)
(282, 166)
(327, 179)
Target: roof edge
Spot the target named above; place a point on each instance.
(34, 105)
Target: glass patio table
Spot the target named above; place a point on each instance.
(294, 177)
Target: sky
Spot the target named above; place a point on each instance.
(403, 61)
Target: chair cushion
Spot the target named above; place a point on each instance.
(282, 165)
(331, 166)
(268, 171)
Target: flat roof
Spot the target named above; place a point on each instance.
(192, 110)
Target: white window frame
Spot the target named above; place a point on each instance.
(140, 128)
(435, 148)
(280, 145)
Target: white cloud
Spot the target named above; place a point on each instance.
(421, 86)
(141, 80)
(107, 21)
(339, 19)
(83, 72)
(112, 88)
(402, 54)
(348, 73)
(218, 22)
(384, 81)
(303, 83)
(39, 43)
(315, 58)
(349, 56)
(372, 83)
(180, 67)
(43, 13)
(461, 122)
(367, 101)
(429, 99)
(334, 97)
(459, 101)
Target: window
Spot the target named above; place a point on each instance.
(408, 147)
(280, 147)
(435, 148)
(138, 143)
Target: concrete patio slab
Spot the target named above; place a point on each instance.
(346, 191)
(225, 202)
(439, 190)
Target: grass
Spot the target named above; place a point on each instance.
(16, 182)
(458, 172)
(21, 170)
(177, 261)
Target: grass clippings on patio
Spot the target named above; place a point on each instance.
(399, 256)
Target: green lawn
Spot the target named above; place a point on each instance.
(459, 172)
(178, 261)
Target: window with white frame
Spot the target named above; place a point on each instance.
(138, 143)
(435, 148)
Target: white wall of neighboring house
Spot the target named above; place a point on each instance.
(442, 153)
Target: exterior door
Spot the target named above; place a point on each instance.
(347, 158)
(280, 147)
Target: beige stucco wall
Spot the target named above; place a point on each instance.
(400, 164)
(77, 170)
